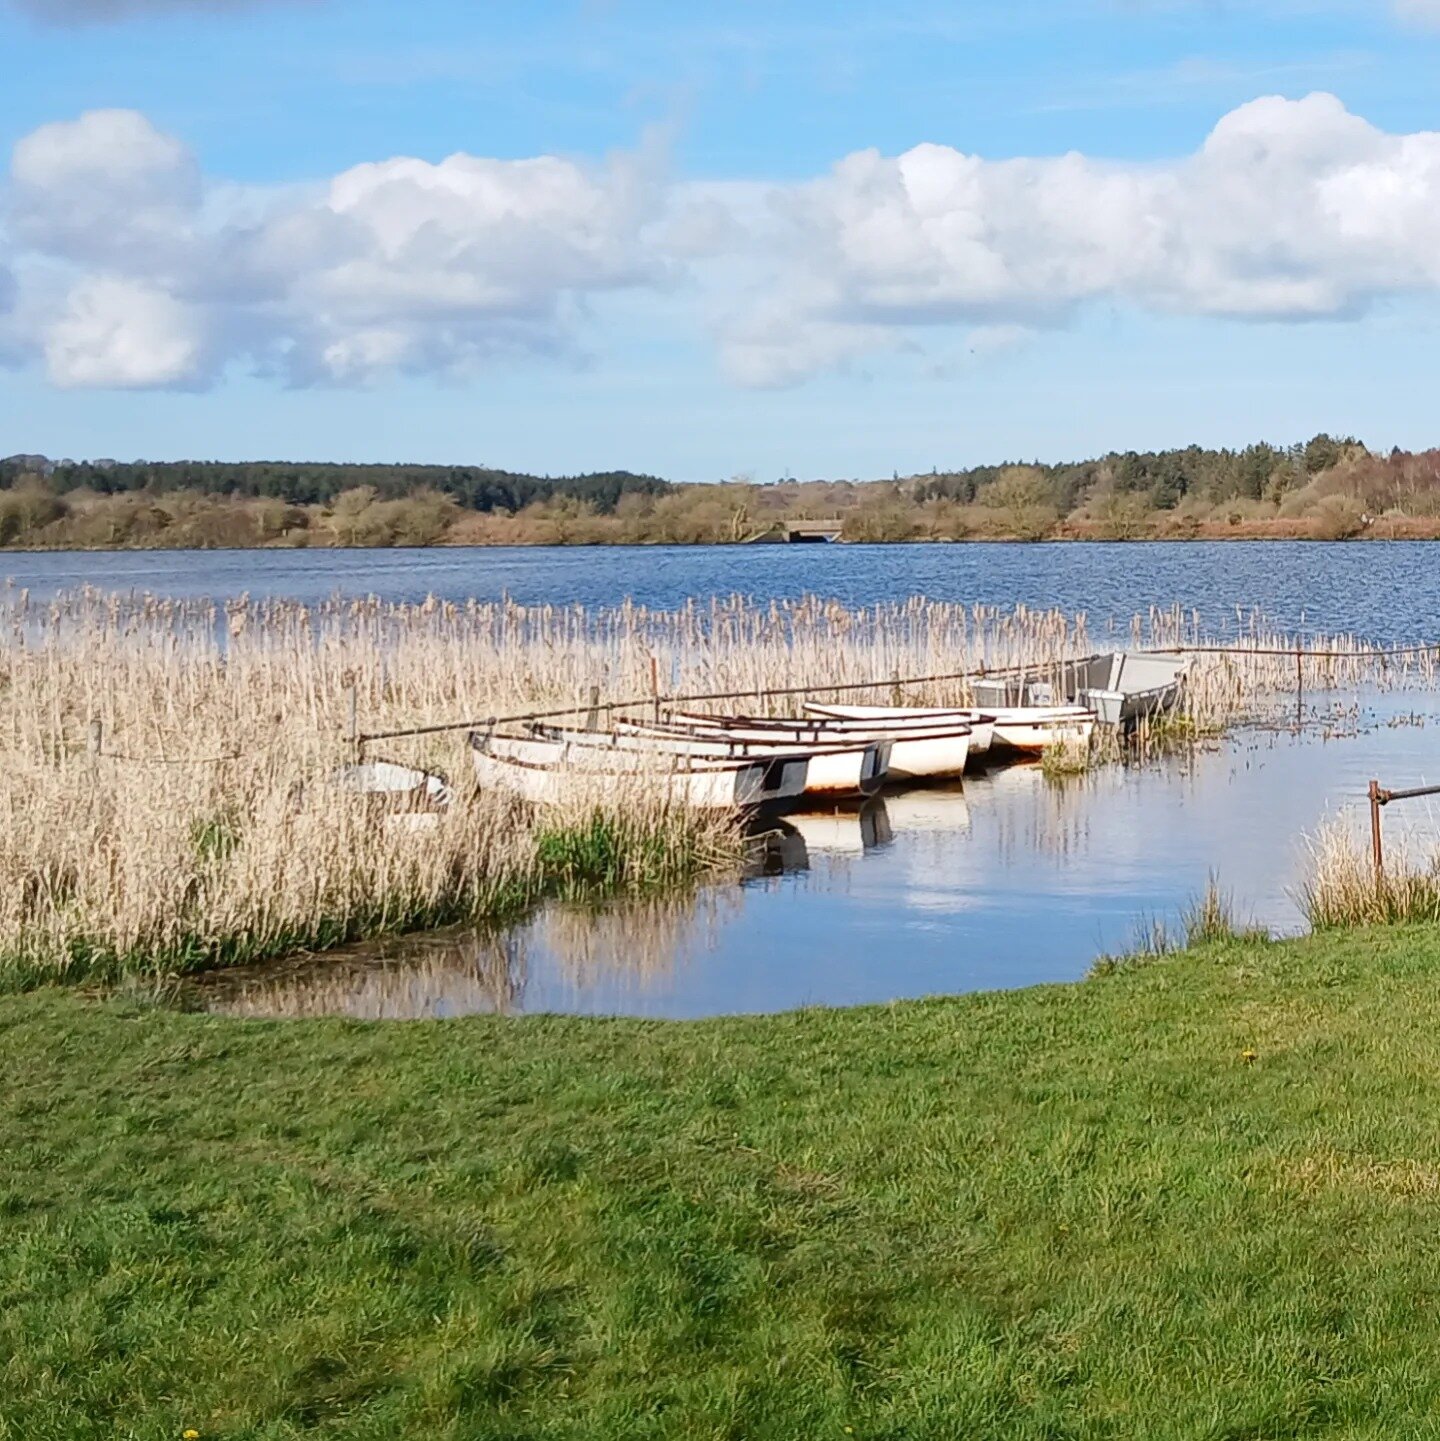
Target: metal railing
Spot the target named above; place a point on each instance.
(656, 700)
(1380, 797)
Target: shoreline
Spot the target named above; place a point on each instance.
(1228, 535)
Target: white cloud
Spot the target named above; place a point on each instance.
(124, 336)
(1290, 210)
(130, 268)
(398, 265)
(103, 188)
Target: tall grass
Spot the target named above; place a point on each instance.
(204, 832)
(1344, 889)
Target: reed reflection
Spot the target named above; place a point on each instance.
(633, 944)
(424, 977)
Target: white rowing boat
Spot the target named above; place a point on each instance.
(551, 772)
(921, 752)
(883, 719)
(1031, 730)
(1121, 687)
(837, 772)
(1027, 729)
(841, 767)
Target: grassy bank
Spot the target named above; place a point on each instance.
(1194, 1199)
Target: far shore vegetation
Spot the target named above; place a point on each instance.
(1324, 489)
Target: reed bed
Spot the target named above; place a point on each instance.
(203, 832)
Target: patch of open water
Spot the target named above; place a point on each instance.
(1380, 590)
(1007, 881)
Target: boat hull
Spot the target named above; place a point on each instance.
(849, 768)
(557, 773)
(1027, 731)
(896, 720)
(917, 752)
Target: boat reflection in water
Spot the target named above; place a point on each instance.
(845, 832)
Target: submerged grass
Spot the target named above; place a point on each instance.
(1185, 1202)
(1067, 758)
(1208, 920)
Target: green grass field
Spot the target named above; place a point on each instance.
(1194, 1199)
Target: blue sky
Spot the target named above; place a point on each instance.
(231, 230)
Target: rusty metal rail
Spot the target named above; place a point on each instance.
(658, 702)
(1380, 797)
(1378, 653)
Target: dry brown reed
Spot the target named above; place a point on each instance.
(204, 831)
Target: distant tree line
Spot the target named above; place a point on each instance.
(1325, 488)
(1161, 479)
(477, 488)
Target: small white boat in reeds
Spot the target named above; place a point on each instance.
(400, 788)
(929, 751)
(1121, 687)
(552, 772)
(887, 719)
(840, 767)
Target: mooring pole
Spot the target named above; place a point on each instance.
(1376, 847)
(1299, 685)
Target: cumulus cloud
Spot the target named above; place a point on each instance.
(108, 188)
(124, 335)
(124, 266)
(132, 271)
(88, 12)
(1290, 210)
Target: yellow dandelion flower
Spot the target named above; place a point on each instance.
(190, 1434)
(1247, 1056)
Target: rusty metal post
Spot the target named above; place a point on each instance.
(1376, 846)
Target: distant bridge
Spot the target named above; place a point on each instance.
(800, 532)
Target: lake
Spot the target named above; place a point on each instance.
(1382, 590)
(1006, 881)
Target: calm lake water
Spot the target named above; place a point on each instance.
(1008, 881)
(1381, 590)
